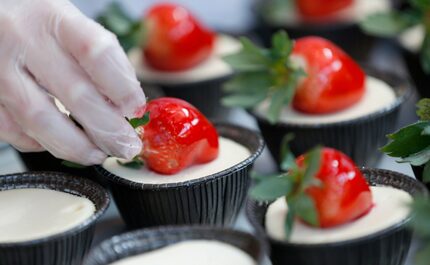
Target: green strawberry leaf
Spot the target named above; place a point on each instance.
(408, 140)
(388, 24)
(263, 74)
(288, 161)
(312, 165)
(422, 257)
(129, 31)
(243, 100)
(289, 220)
(142, 121)
(271, 188)
(420, 208)
(135, 163)
(306, 210)
(417, 159)
(426, 173)
(292, 185)
(421, 4)
(72, 164)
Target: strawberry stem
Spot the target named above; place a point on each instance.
(263, 74)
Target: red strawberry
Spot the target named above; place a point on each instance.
(333, 82)
(175, 40)
(176, 136)
(344, 194)
(314, 9)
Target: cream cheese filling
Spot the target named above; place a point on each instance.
(378, 96)
(28, 214)
(192, 252)
(230, 154)
(390, 208)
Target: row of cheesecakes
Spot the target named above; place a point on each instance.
(192, 172)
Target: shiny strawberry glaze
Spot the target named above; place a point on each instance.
(175, 40)
(344, 195)
(177, 136)
(333, 82)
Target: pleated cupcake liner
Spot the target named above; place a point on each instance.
(359, 138)
(69, 247)
(389, 246)
(146, 240)
(215, 199)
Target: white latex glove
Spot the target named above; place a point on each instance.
(48, 47)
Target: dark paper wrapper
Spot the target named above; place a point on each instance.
(146, 240)
(389, 246)
(359, 138)
(68, 248)
(215, 199)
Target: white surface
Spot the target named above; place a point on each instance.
(192, 252)
(212, 68)
(378, 96)
(230, 154)
(28, 214)
(390, 208)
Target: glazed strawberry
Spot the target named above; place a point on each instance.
(176, 136)
(344, 194)
(175, 40)
(311, 73)
(313, 9)
(333, 80)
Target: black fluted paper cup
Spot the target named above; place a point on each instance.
(214, 199)
(146, 240)
(358, 138)
(69, 247)
(389, 246)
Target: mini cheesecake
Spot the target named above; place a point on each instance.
(383, 230)
(341, 28)
(31, 213)
(358, 130)
(48, 218)
(200, 85)
(179, 245)
(390, 207)
(210, 193)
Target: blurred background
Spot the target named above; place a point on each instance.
(222, 15)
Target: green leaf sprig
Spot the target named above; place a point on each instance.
(411, 144)
(130, 32)
(136, 162)
(292, 185)
(392, 23)
(420, 209)
(263, 74)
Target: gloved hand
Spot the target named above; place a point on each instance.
(48, 47)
